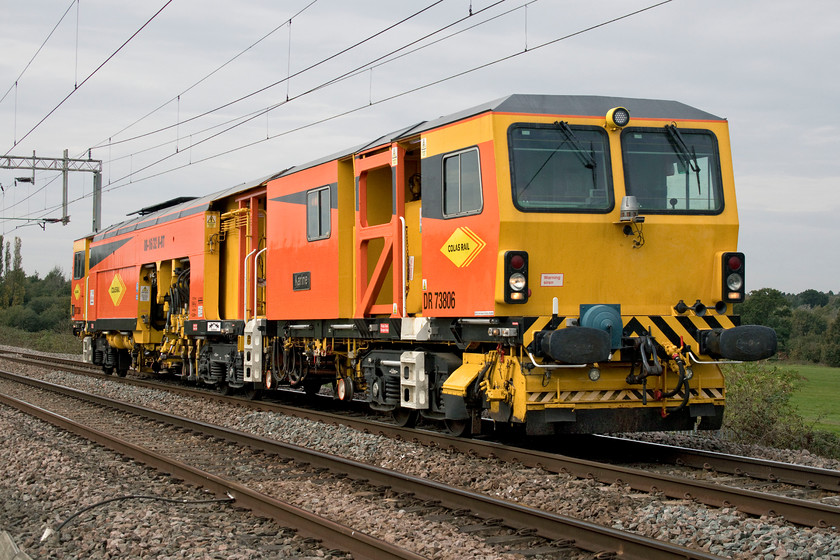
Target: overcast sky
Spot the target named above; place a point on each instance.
(768, 66)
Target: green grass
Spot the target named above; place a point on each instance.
(818, 398)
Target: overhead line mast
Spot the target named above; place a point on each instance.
(65, 165)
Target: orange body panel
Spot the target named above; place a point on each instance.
(290, 253)
(116, 262)
(459, 254)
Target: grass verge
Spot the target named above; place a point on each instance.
(44, 341)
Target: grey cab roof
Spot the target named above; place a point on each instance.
(579, 106)
(567, 105)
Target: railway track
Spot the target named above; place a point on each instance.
(779, 496)
(253, 469)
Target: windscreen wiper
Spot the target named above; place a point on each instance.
(587, 158)
(687, 157)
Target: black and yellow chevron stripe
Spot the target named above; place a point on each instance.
(662, 327)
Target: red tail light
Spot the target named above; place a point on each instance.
(732, 277)
(516, 277)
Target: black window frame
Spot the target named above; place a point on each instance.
(321, 207)
(627, 169)
(607, 171)
(78, 265)
(443, 182)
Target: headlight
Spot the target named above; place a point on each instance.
(517, 281)
(618, 117)
(734, 282)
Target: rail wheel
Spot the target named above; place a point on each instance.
(458, 428)
(107, 370)
(344, 389)
(405, 417)
(253, 393)
(224, 388)
(122, 372)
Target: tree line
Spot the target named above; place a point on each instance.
(807, 324)
(31, 303)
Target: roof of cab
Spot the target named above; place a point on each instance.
(566, 105)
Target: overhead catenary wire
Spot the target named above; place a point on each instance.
(133, 180)
(243, 119)
(205, 78)
(250, 116)
(379, 61)
(89, 76)
(278, 82)
(116, 185)
(390, 98)
(31, 60)
(76, 70)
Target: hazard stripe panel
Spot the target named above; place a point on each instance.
(662, 327)
(675, 329)
(614, 396)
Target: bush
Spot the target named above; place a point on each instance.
(759, 411)
(20, 317)
(831, 354)
(758, 408)
(808, 348)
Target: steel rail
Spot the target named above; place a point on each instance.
(334, 534)
(802, 512)
(587, 536)
(774, 471)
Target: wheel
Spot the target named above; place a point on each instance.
(107, 370)
(122, 372)
(458, 428)
(224, 388)
(253, 393)
(344, 389)
(405, 417)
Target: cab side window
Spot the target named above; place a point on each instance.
(461, 183)
(318, 214)
(78, 265)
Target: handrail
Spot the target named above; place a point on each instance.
(245, 286)
(404, 247)
(256, 277)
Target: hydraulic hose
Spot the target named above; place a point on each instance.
(682, 383)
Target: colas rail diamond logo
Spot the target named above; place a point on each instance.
(462, 247)
(77, 292)
(116, 290)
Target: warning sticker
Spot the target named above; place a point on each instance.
(462, 247)
(551, 280)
